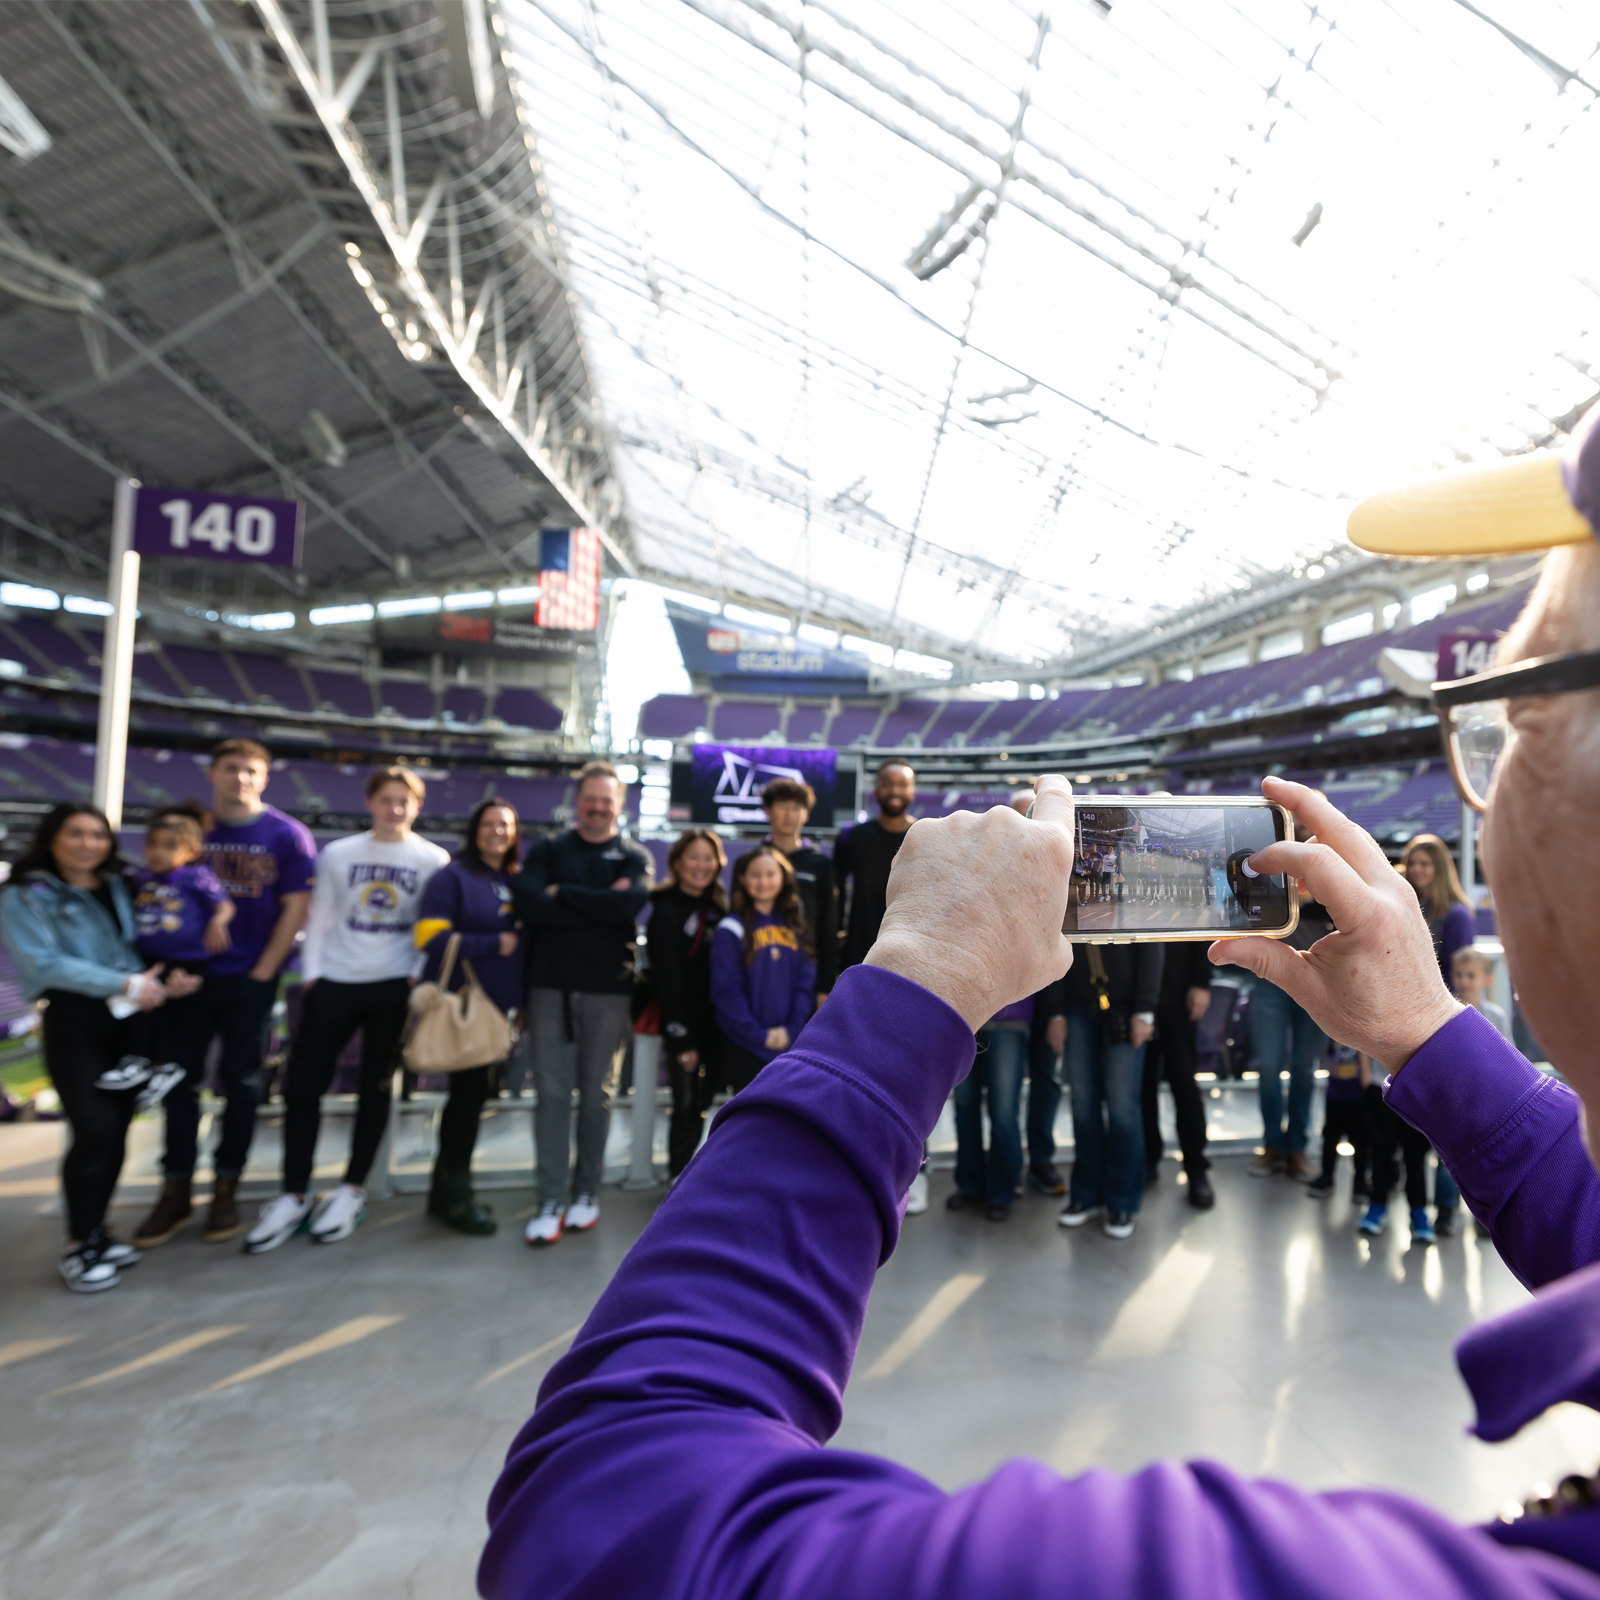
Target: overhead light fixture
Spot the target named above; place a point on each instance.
(20, 131)
(323, 441)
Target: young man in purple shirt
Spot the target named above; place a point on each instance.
(267, 864)
(675, 1451)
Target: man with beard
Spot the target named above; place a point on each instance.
(863, 855)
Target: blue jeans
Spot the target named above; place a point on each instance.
(997, 1068)
(1044, 1099)
(1105, 1080)
(1278, 1028)
(1446, 1196)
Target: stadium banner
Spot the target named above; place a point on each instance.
(485, 632)
(217, 527)
(726, 780)
(1464, 655)
(758, 659)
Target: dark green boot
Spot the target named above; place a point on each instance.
(451, 1202)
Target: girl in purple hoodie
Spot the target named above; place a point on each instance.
(763, 967)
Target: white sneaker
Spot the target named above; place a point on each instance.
(583, 1213)
(339, 1214)
(544, 1227)
(86, 1271)
(917, 1195)
(129, 1073)
(282, 1217)
(162, 1082)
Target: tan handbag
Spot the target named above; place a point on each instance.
(452, 1032)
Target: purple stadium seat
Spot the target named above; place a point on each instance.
(854, 724)
(463, 702)
(344, 691)
(907, 718)
(204, 670)
(275, 679)
(957, 717)
(413, 701)
(526, 708)
(806, 723)
(668, 716)
(51, 652)
(1005, 715)
(735, 720)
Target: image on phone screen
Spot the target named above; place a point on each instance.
(1181, 869)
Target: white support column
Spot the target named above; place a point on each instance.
(646, 1061)
(116, 667)
(458, 303)
(322, 44)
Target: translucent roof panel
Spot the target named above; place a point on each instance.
(1011, 331)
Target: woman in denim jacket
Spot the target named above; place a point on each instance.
(67, 921)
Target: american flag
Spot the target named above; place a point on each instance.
(569, 579)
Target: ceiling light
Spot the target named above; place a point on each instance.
(20, 131)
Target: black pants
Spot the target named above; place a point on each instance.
(81, 1040)
(1171, 1055)
(458, 1122)
(238, 1008)
(1346, 1119)
(329, 1017)
(692, 1089)
(1390, 1132)
(1044, 1097)
(739, 1066)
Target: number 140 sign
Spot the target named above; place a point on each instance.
(216, 527)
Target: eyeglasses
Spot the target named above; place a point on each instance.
(1472, 713)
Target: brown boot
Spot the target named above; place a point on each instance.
(172, 1210)
(223, 1222)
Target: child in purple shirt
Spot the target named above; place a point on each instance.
(180, 917)
(763, 969)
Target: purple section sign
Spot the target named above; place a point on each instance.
(1465, 655)
(726, 780)
(216, 527)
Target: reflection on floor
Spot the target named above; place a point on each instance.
(326, 1422)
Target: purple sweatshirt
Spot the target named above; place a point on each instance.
(676, 1452)
(776, 990)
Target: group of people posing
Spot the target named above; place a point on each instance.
(139, 971)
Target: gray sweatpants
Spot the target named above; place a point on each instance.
(601, 1026)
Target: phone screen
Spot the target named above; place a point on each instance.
(1174, 869)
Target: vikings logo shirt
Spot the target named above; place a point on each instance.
(364, 908)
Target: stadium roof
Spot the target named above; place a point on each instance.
(1010, 331)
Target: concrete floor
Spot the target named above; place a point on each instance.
(327, 1422)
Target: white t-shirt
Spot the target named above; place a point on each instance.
(364, 906)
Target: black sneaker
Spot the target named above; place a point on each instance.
(1444, 1222)
(1320, 1187)
(85, 1271)
(1201, 1195)
(960, 1200)
(108, 1247)
(129, 1073)
(1074, 1216)
(1118, 1225)
(1046, 1180)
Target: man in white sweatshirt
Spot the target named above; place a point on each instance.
(356, 962)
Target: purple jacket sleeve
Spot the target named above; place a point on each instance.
(1512, 1141)
(728, 995)
(675, 1452)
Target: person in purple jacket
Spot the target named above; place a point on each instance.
(763, 967)
(471, 896)
(676, 1450)
(1427, 867)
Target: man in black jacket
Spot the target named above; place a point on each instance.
(581, 892)
(1184, 999)
(1111, 997)
(788, 806)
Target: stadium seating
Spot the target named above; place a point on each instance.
(401, 697)
(343, 692)
(806, 724)
(463, 702)
(526, 708)
(270, 679)
(854, 724)
(747, 721)
(668, 716)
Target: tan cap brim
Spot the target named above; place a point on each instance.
(1513, 505)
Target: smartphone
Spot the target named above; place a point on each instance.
(1162, 867)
